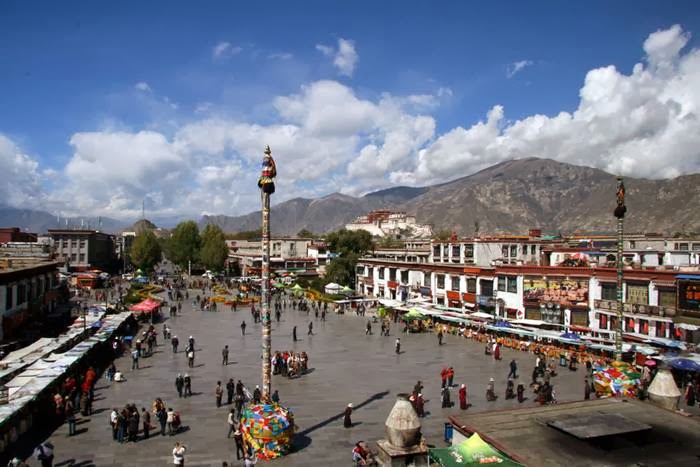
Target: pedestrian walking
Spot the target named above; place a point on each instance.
(179, 454)
(44, 454)
(311, 328)
(146, 422)
(586, 389)
(174, 342)
(450, 376)
(69, 411)
(170, 420)
(230, 388)
(134, 360)
(219, 393)
(463, 404)
(243, 328)
(190, 358)
(439, 336)
(397, 346)
(275, 397)
(347, 421)
(224, 356)
(162, 417)
(231, 422)
(179, 384)
(513, 370)
(294, 334)
(238, 439)
(368, 329)
(445, 397)
(188, 385)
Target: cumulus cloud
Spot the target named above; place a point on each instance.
(142, 86)
(643, 124)
(345, 56)
(20, 184)
(516, 67)
(224, 49)
(325, 138)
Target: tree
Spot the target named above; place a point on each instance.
(342, 270)
(390, 242)
(305, 233)
(146, 251)
(442, 235)
(214, 250)
(344, 242)
(244, 235)
(184, 244)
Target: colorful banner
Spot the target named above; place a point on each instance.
(563, 292)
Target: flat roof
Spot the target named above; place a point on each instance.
(672, 439)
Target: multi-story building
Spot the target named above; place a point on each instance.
(570, 287)
(300, 256)
(386, 223)
(84, 249)
(26, 292)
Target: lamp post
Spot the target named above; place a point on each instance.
(267, 188)
(619, 213)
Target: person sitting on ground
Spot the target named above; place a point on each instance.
(119, 377)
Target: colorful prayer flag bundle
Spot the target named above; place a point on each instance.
(268, 429)
(617, 379)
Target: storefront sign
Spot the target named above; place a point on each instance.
(453, 296)
(562, 292)
(392, 284)
(469, 297)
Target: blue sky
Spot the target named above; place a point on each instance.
(85, 83)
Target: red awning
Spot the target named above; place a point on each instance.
(146, 306)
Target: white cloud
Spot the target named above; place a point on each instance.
(516, 67)
(644, 124)
(281, 56)
(345, 56)
(224, 49)
(20, 182)
(326, 138)
(142, 86)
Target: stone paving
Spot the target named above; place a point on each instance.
(347, 366)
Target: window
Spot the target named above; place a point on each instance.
(638, 294)
(633, 244)
(501, 284)
(682, 246)
(74, 257)
(660, 329)
(512, 284)
(8, 297)
(82, 243)
(392, 274)
(455, 283)
(82, 258)
(533, 249)
(602, 321)
(469, 252)
(360, 270)
(667, 298)
(440, 281)
(504, 251)
(404, 277)
(21, 294)
(381, 273)
(513, 251)
(436, 252)
(644, 326)
(455, 253)
(608, 291)
(629, 325)
(471, 285)
(487, 288)
(696, 246)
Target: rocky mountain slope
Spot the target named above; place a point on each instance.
(509, 197)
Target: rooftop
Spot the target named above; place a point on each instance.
(526, 433)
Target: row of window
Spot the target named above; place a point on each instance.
(75, 257)
(640, 326)
(25, 292)
(638, 294)
(71, 243)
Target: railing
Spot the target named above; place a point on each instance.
(611, 305)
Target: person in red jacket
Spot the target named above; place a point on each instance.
(443, 377)
(463, 405)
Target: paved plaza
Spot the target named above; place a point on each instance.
(346, 366)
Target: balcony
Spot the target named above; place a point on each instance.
(611, 305)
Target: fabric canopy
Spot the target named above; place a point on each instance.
(471, 452)
(412, 315)
(145, 306)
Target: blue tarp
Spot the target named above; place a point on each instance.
(502, 324)
(685, 364)
(691, 277)
(572, 336)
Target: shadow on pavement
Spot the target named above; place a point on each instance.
(311, 429)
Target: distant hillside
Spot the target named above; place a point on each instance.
(40, 221)
(509, 197)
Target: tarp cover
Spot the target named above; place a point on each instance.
(471, 452)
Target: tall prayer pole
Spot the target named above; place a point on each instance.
(267, 187)
(619, 212)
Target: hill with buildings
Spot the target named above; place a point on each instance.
(509, 197)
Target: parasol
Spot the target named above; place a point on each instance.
(685, 364)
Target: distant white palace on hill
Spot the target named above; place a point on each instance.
(386, 223)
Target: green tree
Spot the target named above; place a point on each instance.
(342, 270)
(344, 242)
(305, 233)
(184, 244)
(442, 235)
(214, 250)
(146, 251)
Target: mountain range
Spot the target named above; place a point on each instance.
(509, 197)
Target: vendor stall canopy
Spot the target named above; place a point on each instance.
(471, 452)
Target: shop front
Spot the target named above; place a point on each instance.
(453, 299)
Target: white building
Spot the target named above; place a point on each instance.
(385, 223)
